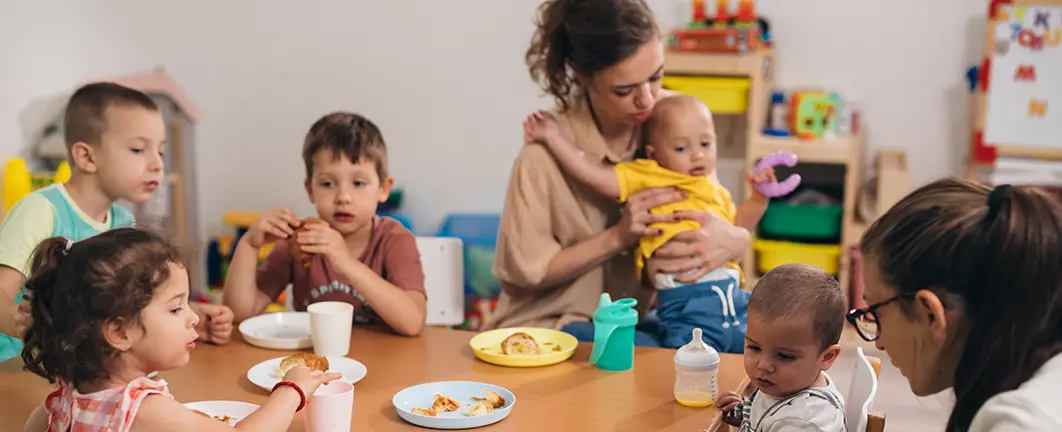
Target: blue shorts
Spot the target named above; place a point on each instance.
(719, 308)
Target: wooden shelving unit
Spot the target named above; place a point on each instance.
(757, 67)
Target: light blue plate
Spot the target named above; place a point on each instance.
(423, 395)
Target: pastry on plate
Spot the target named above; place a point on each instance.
(312, 361)
(297, 254)
(444, 404)
(495, 400)
(480, 408)
(423, 412)
(520, 344)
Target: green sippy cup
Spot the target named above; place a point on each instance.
(614, 334)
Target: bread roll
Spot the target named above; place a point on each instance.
(312, 361)
(520, 344)
(297, 254)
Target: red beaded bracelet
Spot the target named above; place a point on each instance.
(302, 396)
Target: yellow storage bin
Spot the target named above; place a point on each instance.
(775, 253)
(723, 95)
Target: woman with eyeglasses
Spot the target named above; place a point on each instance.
(964, 285)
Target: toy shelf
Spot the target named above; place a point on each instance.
(846, 152)
(824, 151)
(721, 64)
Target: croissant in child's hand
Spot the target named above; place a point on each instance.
(304, 259)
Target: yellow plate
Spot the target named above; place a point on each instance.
(487, 346)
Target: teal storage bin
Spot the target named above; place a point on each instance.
(801, 221)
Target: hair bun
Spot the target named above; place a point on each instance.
(997, 198)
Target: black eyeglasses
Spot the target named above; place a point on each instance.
(865, 320)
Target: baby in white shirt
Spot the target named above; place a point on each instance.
(795, 319)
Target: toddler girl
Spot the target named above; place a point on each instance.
(107, 311)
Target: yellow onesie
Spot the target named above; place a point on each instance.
(703, 194)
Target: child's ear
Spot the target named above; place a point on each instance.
(650, 151)
(385, 189)
(309, 190)
(83, 156)
(829, 356)
(118, 334)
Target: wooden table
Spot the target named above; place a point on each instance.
(572, 395)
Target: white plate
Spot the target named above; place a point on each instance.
(283, 330)
(236, 411)
(423, 395)
(264, 374)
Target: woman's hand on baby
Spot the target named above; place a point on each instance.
(692, 254)
(271, 226)
(540, 127)
(636, 220)
(322, 240)
(764, 176)
(308, 380)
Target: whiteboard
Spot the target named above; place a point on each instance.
(1024, 96)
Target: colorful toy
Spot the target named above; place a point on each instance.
(19, 181)
(782, 188)
(813, 114)
(725, 32)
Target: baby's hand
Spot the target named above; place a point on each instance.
(540, 127)
(727, 402)
(764, 176)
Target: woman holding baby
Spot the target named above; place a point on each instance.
(560, 245)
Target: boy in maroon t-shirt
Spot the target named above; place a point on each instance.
(357, 257)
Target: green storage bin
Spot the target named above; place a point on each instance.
(802, 221)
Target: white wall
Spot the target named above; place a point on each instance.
(445, 80)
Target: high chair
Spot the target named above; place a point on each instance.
(442, 259)
(861, 392)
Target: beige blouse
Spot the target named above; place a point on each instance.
(546, 211)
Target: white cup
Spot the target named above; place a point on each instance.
(330, 324)
(330, 408)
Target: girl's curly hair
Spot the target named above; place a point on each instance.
(77, 288)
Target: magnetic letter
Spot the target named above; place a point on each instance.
(1037, 108)
(1025, 73)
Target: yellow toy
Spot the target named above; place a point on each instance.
(19, 182)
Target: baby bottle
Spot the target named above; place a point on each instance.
(696, 369)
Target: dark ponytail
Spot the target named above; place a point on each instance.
(585, 35)
(75, 288)
(995, 255)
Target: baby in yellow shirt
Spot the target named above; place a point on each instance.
(681, 151)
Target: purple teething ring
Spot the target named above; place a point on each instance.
(784, 187)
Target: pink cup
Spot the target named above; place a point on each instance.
(330, 408)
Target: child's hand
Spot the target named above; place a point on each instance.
(727, 401)
(308, 380)
(726, 404)
(540, 127)
(23, 318)
(215, 322)
(271, 226)
(765, 176)
(321, 239)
